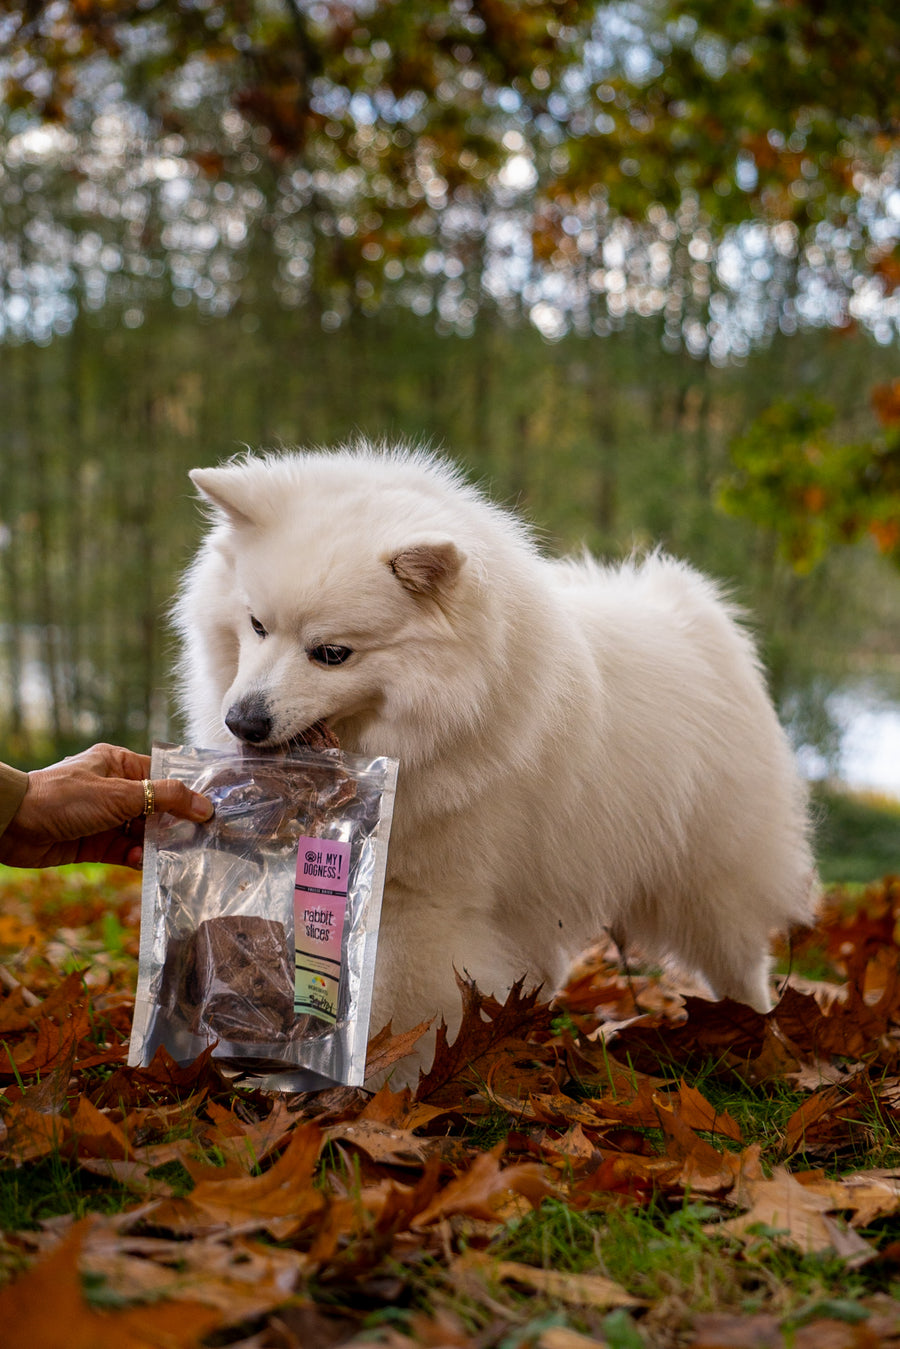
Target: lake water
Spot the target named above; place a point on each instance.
(868, 755)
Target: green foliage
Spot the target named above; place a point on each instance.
(371, 149)
(858, 838)
(793, 477)
(802, 93)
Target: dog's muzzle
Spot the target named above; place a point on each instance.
(249, 720)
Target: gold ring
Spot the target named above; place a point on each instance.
(149, 796)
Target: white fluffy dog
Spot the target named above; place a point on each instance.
(581, 747)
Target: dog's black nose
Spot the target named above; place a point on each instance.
(250, 721)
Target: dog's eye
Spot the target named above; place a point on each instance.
(257, 627)
(330, 655)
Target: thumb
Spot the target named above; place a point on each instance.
(178, 799)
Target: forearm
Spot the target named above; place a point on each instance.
(13, 785)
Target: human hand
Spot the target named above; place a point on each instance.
(90, 808)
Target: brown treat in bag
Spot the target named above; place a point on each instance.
(232, 978)
(239, 978)
(178, 964)
(262, 803)
(276, 802)
(332, 793)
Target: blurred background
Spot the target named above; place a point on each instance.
(634, 265)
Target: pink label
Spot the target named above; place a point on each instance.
(320, 908)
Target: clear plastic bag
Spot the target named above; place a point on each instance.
(259, 928)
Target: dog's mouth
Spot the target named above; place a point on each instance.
(318, 736)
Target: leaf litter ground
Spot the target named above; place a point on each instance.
(631, 1165)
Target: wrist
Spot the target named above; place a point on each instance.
(13, 786)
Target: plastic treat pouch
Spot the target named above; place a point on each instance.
(259, 927)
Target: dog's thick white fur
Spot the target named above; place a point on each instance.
(581, 747)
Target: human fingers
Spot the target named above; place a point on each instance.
(125, 851)
(168, 794)
(124, 842)
(118, 850)
(114, 761)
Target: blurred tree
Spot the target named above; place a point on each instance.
(763, 109)
(612, 444)
(730, 169)
(438, 148)
(791, 476)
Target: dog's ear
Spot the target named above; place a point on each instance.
(427, 568)
(225, 488)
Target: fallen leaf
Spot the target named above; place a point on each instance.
(239, 1277)
(717, 1330)
(52, 1045)
(586, 1290)
(476, 1192)
(703, 1169)
(826, 1333)
(776, 1059)
(795, 1215)
(161, 1118)
(31, 1134)
(94, 1134)
(442, 1330)
(621, 1177)
(133, 1175)
(45, 1308)
(561, 1337)
(394, 1207)
(866, 1194)
(709, 1029)
(821, 1073)
(318, 1327)
(888, 1093)
(574, 1147)
(638, 1109)
(557, 1109)
(399, 1109)
(597, 983)
(487, 1030)
(249, 1144)
(850, 1029)
(59, 1002)
(381, 1142)
(281, 1201)
(725, 1331)
(696, 1112)
(829, 1118)
(385, 1049)
(164, 1079)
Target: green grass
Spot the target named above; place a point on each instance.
(672, 1255)
(31, 1194)
(92, 877)
(857, 836)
